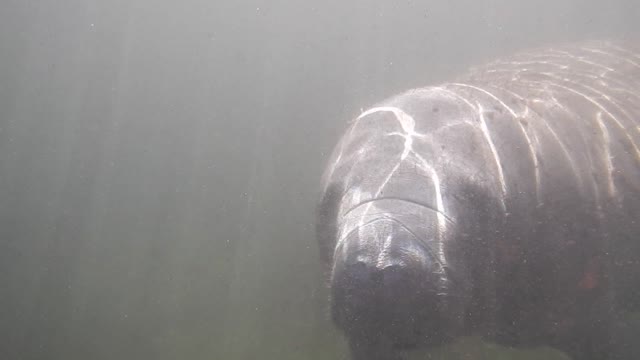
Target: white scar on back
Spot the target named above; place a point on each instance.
(407, 123)
(532, 148)
(619, 58)
(487, 135)
(607, 154)
(602, 108)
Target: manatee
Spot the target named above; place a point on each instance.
(503, 204)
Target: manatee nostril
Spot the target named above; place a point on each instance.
(358, 273)
(362, 276)
(370, 277)
(393, 276)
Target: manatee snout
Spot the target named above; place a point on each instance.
(385, 285)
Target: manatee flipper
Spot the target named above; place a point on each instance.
(327, 226)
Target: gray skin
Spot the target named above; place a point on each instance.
(505, 204)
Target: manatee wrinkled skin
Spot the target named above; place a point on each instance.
(505, 204)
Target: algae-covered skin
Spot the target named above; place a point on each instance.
(502, 205)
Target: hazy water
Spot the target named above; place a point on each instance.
(159, 160)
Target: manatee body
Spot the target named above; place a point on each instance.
(505, 204)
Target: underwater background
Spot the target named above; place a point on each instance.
(160, 161)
